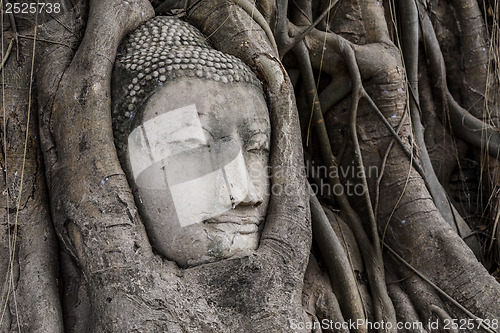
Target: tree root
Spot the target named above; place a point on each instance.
(382, 171)
(473, 40)
(480, 321)
(337, 263)
(373, 259)
(29, 292)
(464, 124)
(99, 226)
(316, 37)
(296, 38)
(338, 89)
(14, 30)
(422, 295)
(403, 304)
(287, 225)
(254, 13)
(444, 316)
(7, 54)
(409, 14)
(318, 300)
(90, 110)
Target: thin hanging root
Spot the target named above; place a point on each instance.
(298, 38)
(408, 153)
(7, 54)
(441, 291)
(409, 31)
(494, 231)
(355, 98)
(465, 125)
(46, 41)
(345, 50)
(349, 57)
(403, 146)
(14, 30)
(21, 181)
(384, 161)
(383, 307)
(455, 218)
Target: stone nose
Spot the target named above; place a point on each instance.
(253, 198)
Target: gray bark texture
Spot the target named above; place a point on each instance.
(409, 88)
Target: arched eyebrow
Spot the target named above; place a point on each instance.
(257, 140)
(253, 127)
(258, 132)
(252, 122)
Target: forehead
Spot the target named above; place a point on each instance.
(159, 53)
(221, 107)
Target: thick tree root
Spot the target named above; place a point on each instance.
(464, 124)
(337, 263)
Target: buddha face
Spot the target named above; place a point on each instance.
(198, 164)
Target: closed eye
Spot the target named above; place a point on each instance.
(186, 136)
(258, 144)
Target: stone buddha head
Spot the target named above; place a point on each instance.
(192, 132)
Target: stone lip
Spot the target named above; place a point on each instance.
(241, 220)
(237, 228)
